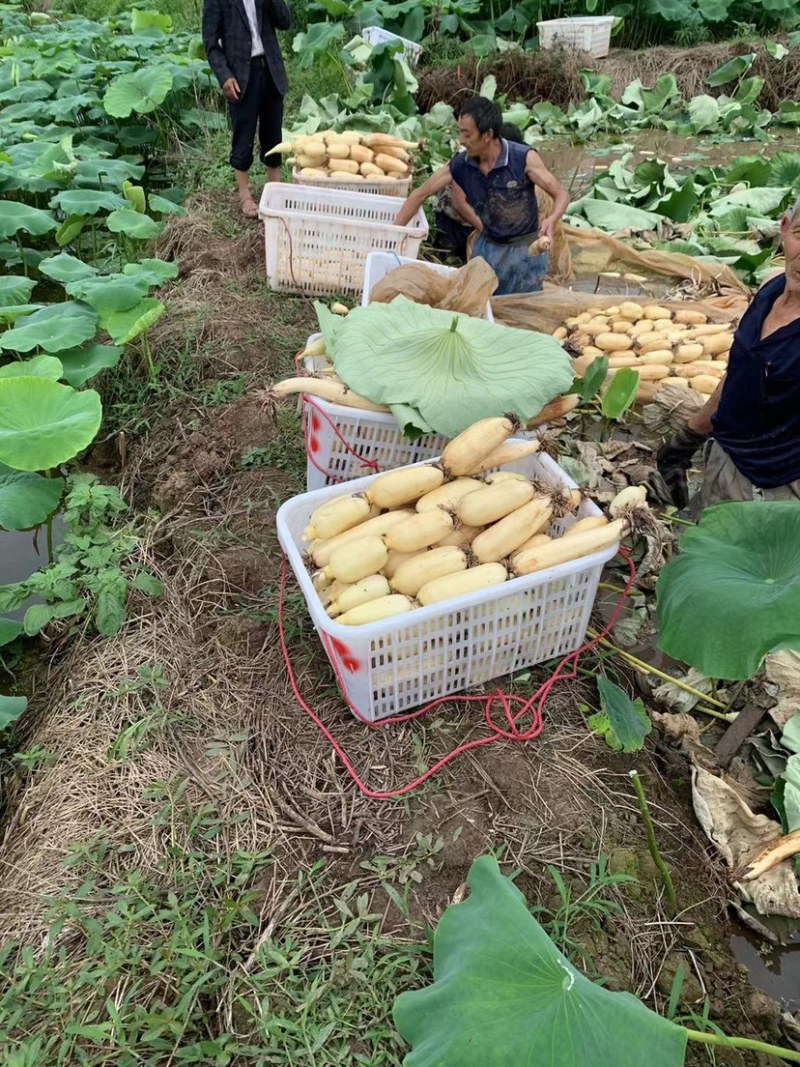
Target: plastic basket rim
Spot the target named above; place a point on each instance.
(410, 229)
(325, 624)
(580, 20)
(356, 189)
(415, 47)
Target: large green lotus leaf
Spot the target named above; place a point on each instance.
(732, 594)
(54, 328)
(132, 224)
(123, 326)
(615, 217)
(15, 217)
(14, 290)
(43, 423)
(141, 91)
(455, 369)
(153, 271)
(87, 201)
(503, 994)
(92, 172)
(81, 364)
(763, 201)
(108, 292)
(66, 268)
(38, 367)
(26, 498)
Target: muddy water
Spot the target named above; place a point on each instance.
(776, 973)
(575, 164)
(23, 553)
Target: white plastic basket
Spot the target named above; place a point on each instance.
(396, 187)
(390, 667)
(316, 240)
(378, 35)
(380, 263)
(591, 33)
(344, 443)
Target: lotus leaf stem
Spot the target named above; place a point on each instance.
(652, 844)
(646, 668)
(744, 1042)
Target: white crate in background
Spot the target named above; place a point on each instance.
(396, 187)
(378, 35)
(316, 240)
(591, 33)
(389, 667)
(380, 263)
(342, 442)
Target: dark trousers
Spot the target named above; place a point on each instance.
(260, 108)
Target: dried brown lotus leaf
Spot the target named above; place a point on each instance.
(470, 288)
(414, 281)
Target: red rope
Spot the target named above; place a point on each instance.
(370, 464)
(306, 402)
(512, 731)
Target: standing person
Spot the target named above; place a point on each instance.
(494, 182)
(243, 51)
(754, 413)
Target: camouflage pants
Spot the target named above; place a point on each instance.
(723, 481)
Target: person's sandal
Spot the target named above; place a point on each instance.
(249, 207)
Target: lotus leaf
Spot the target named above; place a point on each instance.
(54, 328)
(153, 271)
(704, 112)
(731, 70)
(10, 630)
(38, 367)
(454, 369)
(26, 499)
(15, 217)
(69, 229)
(17, 311)
(142, 91)
(134, 194)
(164, 206)
(123, 326)
(132, 224)
(732, 595)
(81, 364)
(615, 217)
(87, 201)
(108, 292)
(10, 709)
(15, 290)
(66, 268)
(93, 172)
(763, 201)
(503, 994)
(43, 423)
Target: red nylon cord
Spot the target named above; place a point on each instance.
(533, 706)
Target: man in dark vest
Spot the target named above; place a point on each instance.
(754, 414)
(494, 182)
(243, 51)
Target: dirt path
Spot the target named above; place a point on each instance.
(196, 688)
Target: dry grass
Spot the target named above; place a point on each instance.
(691, 67)
(554, 75)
